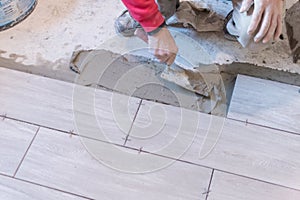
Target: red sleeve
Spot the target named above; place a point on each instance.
(145, 12)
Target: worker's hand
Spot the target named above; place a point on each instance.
(266, 19)
(162, 45)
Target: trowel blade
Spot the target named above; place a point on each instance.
(182, 73)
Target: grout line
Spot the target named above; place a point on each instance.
(44, 186)
(26, 152)
(209, 185)
(258, 180)
(51, 188)
(134, 118)
(6, 175)
(184, 161)
(216, 169)
(264, 126)
(126, 139)
(73, 134)
(33, 124)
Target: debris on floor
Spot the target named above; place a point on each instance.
(197, 14)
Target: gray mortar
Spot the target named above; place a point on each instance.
(119, 65)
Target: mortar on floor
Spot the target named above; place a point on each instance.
(140, 77)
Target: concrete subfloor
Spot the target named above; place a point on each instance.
(44, 44)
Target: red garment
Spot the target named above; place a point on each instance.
(145, 12)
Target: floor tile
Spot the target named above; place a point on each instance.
(15, 138)
(231, 187)
(12, 189)
(62, 162)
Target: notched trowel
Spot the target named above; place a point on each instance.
(182, 73)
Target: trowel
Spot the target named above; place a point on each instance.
(203, 79)
(183, 73)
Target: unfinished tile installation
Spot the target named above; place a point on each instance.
(89, 114)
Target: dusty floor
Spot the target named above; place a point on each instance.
(46, 40)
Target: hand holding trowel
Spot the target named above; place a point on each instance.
(178, 70)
